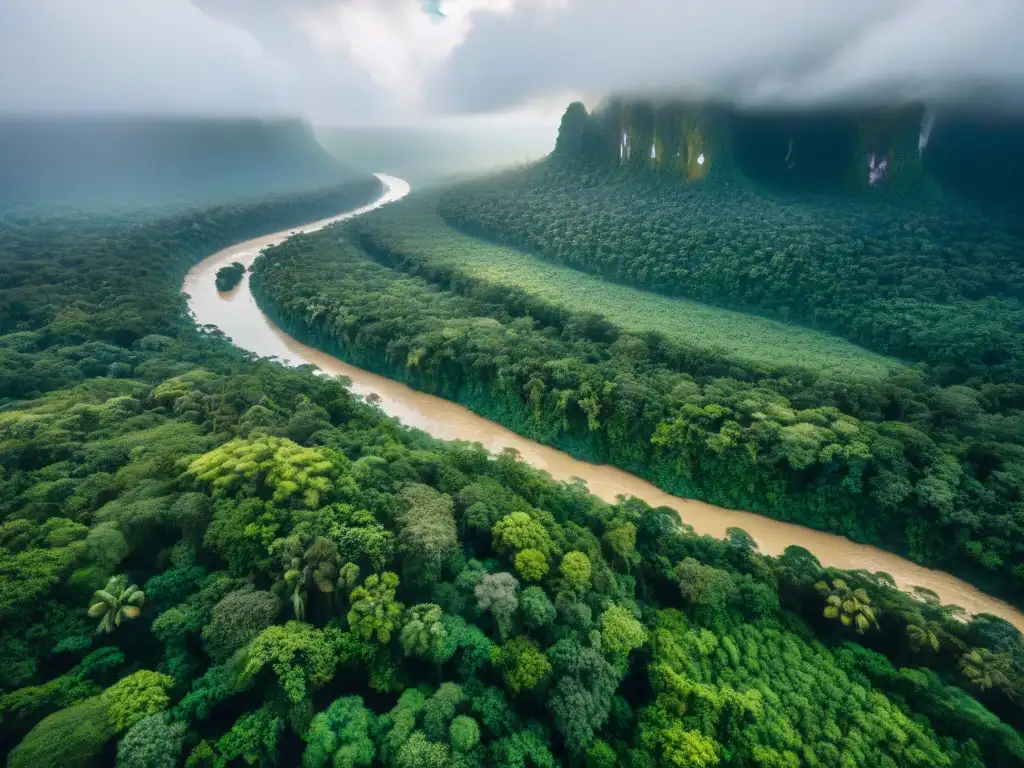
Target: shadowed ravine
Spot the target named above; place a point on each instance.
(237, 315)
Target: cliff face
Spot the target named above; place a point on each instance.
(906, 151)
(691, 142)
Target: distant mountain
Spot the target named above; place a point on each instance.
(103, 162)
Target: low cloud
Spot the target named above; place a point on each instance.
(373, 60)
(154, 56)
(771, 52)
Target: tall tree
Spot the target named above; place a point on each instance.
(340, 736)
(423, 633)
(496, 593)
(375, 611)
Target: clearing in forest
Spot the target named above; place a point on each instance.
(412, 226)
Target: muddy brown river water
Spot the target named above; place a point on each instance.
(236, 314)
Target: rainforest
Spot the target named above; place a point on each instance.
(212, 558)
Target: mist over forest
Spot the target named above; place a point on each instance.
(116, 161)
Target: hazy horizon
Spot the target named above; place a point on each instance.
(387, 62)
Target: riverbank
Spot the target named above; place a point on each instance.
(240, 318)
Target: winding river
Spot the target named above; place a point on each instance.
(236, 314)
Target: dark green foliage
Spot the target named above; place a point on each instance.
(237, 619)
(253, 738)
(942, 461)
(937, 282)
(153, 742)
(67, 737)
(230, 276)
(272, 521)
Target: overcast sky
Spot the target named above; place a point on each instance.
(341, 61)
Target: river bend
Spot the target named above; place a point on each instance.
(236, 314)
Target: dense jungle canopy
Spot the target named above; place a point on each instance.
(208, 559)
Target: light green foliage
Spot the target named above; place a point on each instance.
(531, 564)
(575, 567)
(418, 752)
(360, 538)
(300, 656)
(519, 531)
(681, 748)
(137, 696)
(621, 633)
(375, 612)
(115, 603)
(766, 683)
(413, 226)
(600, 755)
(272, 468)
(348, 577)
(153, 742)
(463, 733)
(523, 665)
(423, 633)
(427, 528)
(340, 736)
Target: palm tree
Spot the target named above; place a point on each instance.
(322, 564)
(348, 577)
(851, 606)
(316, 569)
(295, 583)
(985, 669)
(115, 603)
(922, 633)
